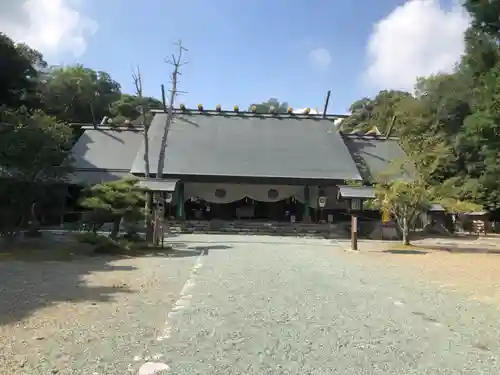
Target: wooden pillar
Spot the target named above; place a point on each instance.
(64, 197)
(306, 217)
(180, 202)
(354, 231)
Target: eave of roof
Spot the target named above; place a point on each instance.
(365, 192)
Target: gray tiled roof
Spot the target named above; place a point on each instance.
(102, 155)
(106, 149)
(250, 146)
(377, 156)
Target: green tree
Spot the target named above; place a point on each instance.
(405, 201)
(485, 15)
(35, 152)
(379, 111)
(130, 106)
(33, 145)
(79, 94)
(19, 75)
(481, 137)
(265, 107)
(117, 200)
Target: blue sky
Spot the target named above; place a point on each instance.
(248, 51)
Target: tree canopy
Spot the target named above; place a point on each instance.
(37, 102)
(455, 116)
(273, 103)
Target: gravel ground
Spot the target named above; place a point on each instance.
(309, 308)
(84, 317)
(470, 267)
(252, 305)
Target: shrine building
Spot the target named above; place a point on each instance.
(233, 165)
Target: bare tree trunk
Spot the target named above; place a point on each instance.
(116, 228)
(176, 62)
(136, 75)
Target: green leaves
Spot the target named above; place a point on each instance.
(79, 94)
(116, 197)
(128, 106)
(32, 145)
(18, 76)
(379, 111)
(280, 107)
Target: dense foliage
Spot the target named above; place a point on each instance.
(37, 105)
(117, 200)
(450, 120)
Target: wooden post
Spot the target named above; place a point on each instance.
(306, 217)
(354, 231)
(65, 195)
(326, 103)
(180, 201)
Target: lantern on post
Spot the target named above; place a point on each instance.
(321, 204)
(168, 197)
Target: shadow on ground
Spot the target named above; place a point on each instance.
(440, 236)
(463, 249)
(26, 287)
(442, 248)
(38, 273)
(405, 252)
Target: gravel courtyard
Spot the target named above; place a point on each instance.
(250, 305)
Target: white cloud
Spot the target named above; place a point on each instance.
(417, 39)
(320, 58)
(51, 26)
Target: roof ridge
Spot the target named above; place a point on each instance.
(206, 112)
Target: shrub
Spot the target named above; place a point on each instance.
(102, 244)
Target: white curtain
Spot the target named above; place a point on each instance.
(226, 193)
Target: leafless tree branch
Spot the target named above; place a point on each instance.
(176, 62)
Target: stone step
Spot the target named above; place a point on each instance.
(263, 228)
